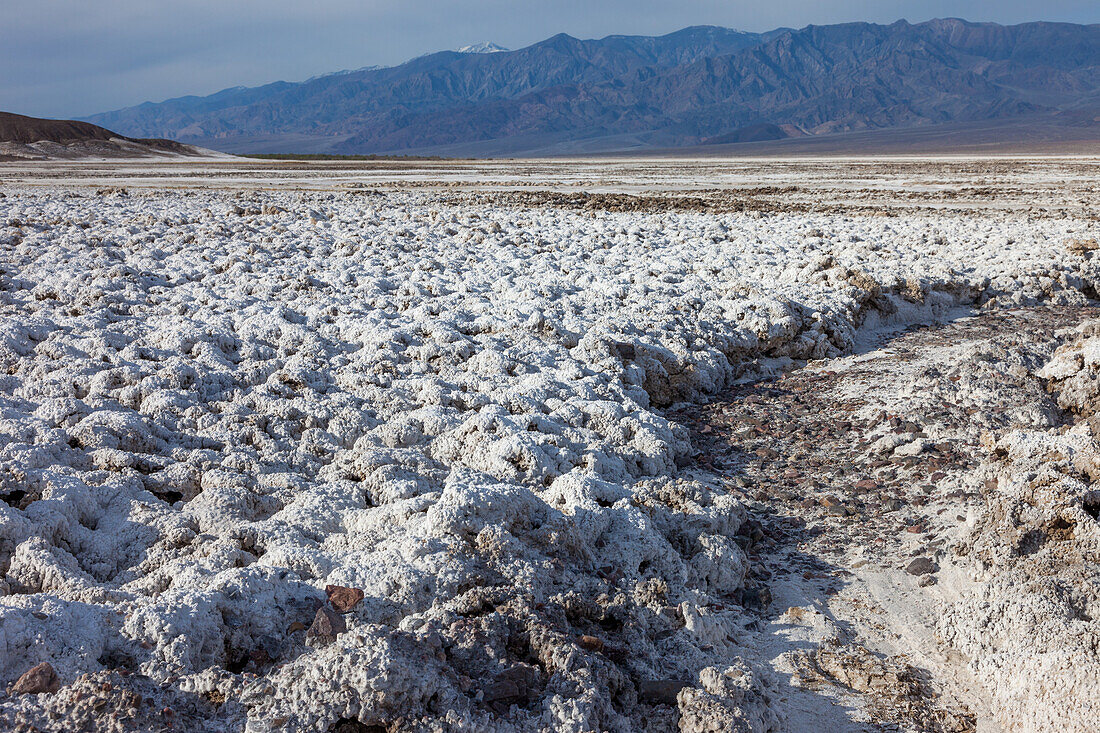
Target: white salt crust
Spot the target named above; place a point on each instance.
(1030, 629)
(214, 407)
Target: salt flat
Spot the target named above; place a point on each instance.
(234, 396)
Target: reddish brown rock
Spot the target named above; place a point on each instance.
(343, 599)
(591, 643)
(36, 680)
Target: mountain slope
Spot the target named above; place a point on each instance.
(698, 85)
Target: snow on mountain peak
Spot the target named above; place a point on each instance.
(483, 47)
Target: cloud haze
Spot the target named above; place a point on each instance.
(67, 58)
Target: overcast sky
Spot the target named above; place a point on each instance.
(66, 58)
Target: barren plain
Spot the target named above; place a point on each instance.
(570, 445)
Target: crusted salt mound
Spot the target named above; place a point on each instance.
(1030, 629)
(212, 409)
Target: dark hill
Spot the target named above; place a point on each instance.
(20, 129)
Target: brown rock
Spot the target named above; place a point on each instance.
(36, 680)
(327, 625)
(591, 643)
(343, 599)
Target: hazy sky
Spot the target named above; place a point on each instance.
(65, 58)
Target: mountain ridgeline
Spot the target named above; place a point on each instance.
(701, 85)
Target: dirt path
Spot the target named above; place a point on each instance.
(861, 472)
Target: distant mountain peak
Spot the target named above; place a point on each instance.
(483, 47)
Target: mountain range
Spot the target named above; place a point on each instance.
(699, 86)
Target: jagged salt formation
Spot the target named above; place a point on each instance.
(212, 409)
(1030, 630)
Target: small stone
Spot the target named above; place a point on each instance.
(343, 599)
(327, 625)
(866, 485)
(796, 613)
(661, 692)
(831, 501)
(591, 643)
(921, 566)
(926, 580)
(36, 680)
